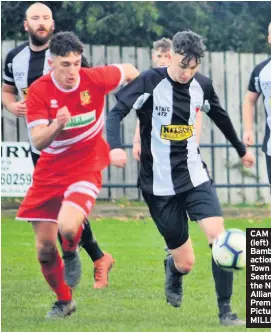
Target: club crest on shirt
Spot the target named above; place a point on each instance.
(85, 97)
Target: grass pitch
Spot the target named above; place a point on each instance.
(135, 299)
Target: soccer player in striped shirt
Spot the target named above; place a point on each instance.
(173, 178)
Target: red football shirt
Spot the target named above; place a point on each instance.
(79, 148)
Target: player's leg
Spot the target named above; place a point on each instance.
(171, 221)
(102, 261)
(268, 165)
(203, 205)
(70, 221)
(52, 267)
(81, 196)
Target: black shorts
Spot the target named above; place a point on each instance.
(268, 165)
(170, 212)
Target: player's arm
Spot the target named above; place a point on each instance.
(9, 100)
(9, 92)
(117, 154)
(198, 126)
(223, 122)
(129, 97)
(42, 129)
(43, 135)
(137, 142)
(112, 76)
(129, 71)
(248, 116)
(9, 96)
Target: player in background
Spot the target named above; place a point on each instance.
(23, 66)
(161, 56)
(173, 178)
(260, 83)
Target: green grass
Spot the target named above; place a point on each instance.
(133, 302)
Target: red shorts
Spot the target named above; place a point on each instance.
(42, 203)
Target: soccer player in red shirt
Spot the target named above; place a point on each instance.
(23, 65)
(65, 118)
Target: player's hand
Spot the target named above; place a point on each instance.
(118, 157)
(18, 108)
(137, 150)
(248, 160)
(248, 138)
(63, 116)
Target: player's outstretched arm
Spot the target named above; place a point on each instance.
(117, 154)
(248, 116)
(130, 72)
(137, 143)
(132, 96)
(43, 135)
(198, 126)
(223, 122)
(17, 108)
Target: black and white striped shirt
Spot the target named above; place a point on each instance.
(260, 82)
(170, 157)
(24, 66)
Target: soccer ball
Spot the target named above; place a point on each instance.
(229, 250)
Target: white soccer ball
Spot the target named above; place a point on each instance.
(229, 250)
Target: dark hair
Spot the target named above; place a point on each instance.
(165, 44)
(189, 44)
(63, 43)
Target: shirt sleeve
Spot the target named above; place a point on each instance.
(133, 95)
(107, 77)
(254, 85)
(8, 77)
(37, 109)
(223, 122)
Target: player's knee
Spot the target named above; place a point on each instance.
(185, 266)
(214, 229)
(46, 251)
(68, 233)
(213, 234)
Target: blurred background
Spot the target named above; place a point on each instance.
(239, 26)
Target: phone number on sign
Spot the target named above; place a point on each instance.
(16, 179)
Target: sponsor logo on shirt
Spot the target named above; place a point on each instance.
(25, 92)
(85, 97)
(19, 76)
(176, 132)
(81, 120)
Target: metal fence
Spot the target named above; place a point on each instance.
(230, 73)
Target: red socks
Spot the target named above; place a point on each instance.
(71, 245)
(54, 275)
